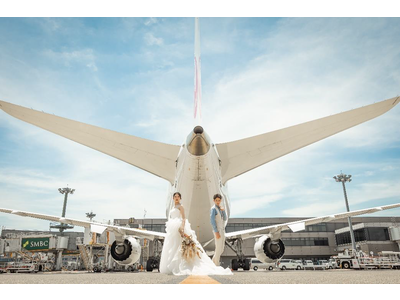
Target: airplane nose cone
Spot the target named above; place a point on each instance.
(198, 130)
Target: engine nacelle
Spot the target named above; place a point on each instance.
(127, 252)
(267, 250)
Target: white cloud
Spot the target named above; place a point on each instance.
(151, 40)
(85, 57)
(150, 21)
(314, 209)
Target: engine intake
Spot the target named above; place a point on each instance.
(267, 250)
(127, 252)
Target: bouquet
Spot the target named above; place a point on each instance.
(189, 247)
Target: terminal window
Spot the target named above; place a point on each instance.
(364, 234)
(317, 228)
(307, 241)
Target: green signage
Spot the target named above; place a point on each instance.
(35, 243)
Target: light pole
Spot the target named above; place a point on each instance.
(144, 216)
(64, 191)
(343, 178)
(90, 215)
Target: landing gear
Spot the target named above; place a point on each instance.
(240, 261)
(235, 265)
(246, 266)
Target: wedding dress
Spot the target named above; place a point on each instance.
(172, 260)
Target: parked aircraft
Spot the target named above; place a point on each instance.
(198, 169)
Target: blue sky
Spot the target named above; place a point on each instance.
(135, 75)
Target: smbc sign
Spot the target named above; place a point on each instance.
(35, 243)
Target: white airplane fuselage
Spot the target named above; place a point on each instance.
(198, 179)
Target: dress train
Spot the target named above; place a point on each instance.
(172, 260)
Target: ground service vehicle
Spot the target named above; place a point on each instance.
(308, 264)
(325, 264)
(3, 268)
(22, 267)
(256, 264)
(287, 264)
(359, 260)
(300, 262)
(333, 263)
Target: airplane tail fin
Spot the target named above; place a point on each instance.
(197, 74)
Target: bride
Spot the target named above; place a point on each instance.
(182, 254)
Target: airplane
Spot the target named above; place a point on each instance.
(198, 169)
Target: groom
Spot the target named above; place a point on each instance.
(217, 218)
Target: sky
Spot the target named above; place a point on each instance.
(135, 75)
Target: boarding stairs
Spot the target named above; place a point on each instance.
(28, 256)
(87, 261)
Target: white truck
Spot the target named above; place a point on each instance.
(22, 267)
(361, 260)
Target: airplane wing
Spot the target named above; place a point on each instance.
(94, 226)
(154, 157)
(300, 225)
(240, 156)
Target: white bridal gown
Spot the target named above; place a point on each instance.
(172, 261)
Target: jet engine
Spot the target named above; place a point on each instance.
(126, 252)
(268, 250)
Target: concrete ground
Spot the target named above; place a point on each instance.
(239, 277)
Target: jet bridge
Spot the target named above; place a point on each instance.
(394, 233)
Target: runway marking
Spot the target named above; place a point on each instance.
(192, 279)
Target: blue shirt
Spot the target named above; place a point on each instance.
(213, 214)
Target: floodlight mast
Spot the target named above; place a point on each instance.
(64, 191)
(343, 178)
(90, 215)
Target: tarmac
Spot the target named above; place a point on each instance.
(337, 276)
